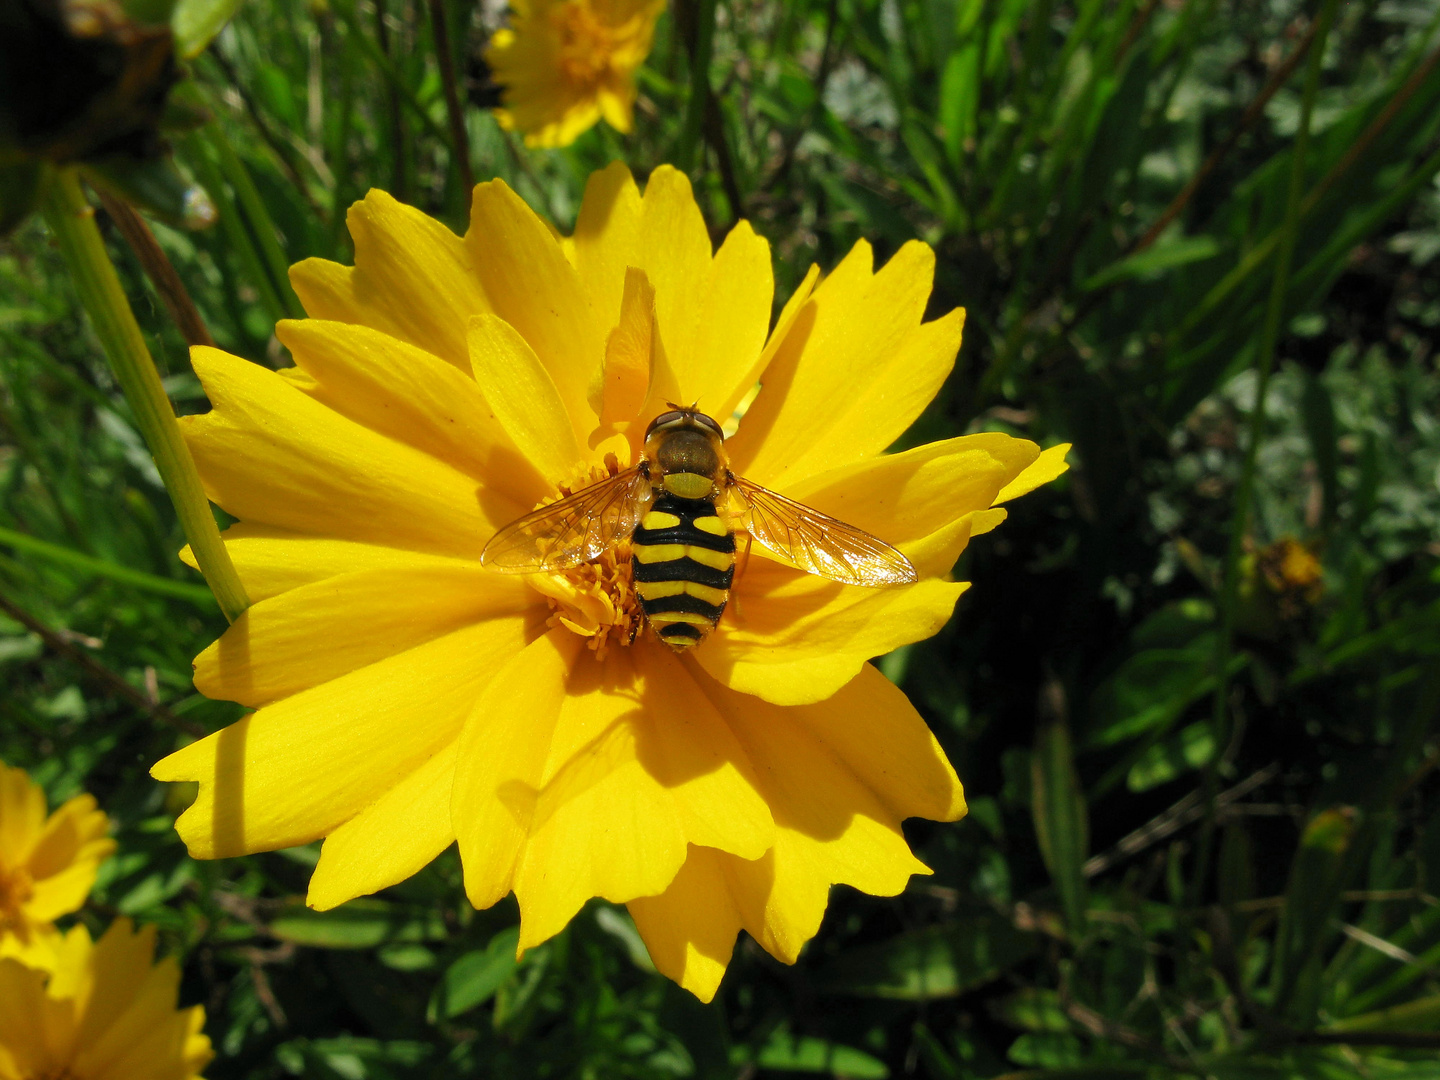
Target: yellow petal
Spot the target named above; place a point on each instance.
(831, 827)
(788, 314)
(22, 815)
(271, 455)
(621, 765)
(690, 928)
(412, 279)
(130, 1025)
(25, 1013)
(271, 561)
(501, 759)
(1049, 465)
(906, 497)
(412, 397)
(718, 353)
(533, 287)
(672, 246)
(605, 241)
(793, 638)
(65, 858)
(528, 405)
(394, 837)
(629, 352)
(838, 776)
(713, 313)
(321, 631)
(854, 371)
(296, 770)
(37, 949)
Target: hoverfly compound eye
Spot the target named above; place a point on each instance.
(663, 419)
(709, 423)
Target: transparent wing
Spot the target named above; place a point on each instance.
(818, 543)
(572, 531)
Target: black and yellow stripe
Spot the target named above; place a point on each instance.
(682, 562)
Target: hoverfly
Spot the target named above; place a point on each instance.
(672, 507)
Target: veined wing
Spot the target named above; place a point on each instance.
(574, 530)
(818, 543)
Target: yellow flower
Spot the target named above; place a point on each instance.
(566, 63)
(409, 698)
(47, 865)
(106, 1014)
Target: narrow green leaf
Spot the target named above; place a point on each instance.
(360, 924)
(1422, 1014)
(1061, 820)
(1310, 899)
(1319, 415)
(89, 565)
(960, 99)
(1153, 261)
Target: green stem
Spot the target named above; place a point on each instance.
(72, 221)
(1264, 364)
(699, 85)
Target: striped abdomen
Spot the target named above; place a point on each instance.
(682, 561)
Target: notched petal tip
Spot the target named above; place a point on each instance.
(1050, 465)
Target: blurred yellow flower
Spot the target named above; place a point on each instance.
(564, 64)
(106, 1013)
(409, 698)
(47, 865)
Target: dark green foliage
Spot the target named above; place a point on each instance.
(1138, 891)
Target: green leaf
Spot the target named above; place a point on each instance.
(1155, 260)
(936, 962)
(1192, 747)
(1062, 824)
(1422, 1014)
(21, 185)
(784, 1052)
(1032, 1009)
(1311, 897)
(960, 99)
(1318, 412)
(474, 978)
(1081, 1072)
(360, 924)
(196, 22)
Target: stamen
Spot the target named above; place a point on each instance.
(597, 599)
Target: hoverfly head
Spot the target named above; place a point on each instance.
(685, 440)
(682, 417)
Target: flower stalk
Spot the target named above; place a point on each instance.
(72, 221)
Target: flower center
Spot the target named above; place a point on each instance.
(586, 44)
(596, 599)
(16, 888)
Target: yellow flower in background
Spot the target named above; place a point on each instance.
(105, 1014)
(564, 64)
(408, 698)
(47, 864)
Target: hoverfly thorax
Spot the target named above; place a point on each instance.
(686, 450)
